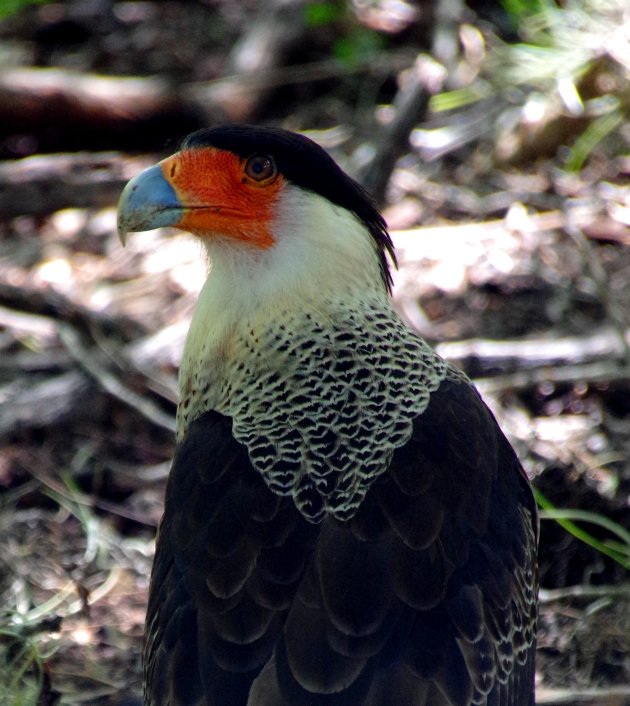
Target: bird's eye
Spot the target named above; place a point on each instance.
(260, 167)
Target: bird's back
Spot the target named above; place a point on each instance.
(426, 596)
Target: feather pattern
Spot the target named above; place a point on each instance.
(321, 401)
(425, 596)
(345, 524)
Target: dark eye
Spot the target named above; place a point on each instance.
(260, 167)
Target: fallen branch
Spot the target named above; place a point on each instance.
(111, 383)
(44, 184)
(100, 112)
(92, 111)
(421, 81)
(620, 592)
(551, 354)
(603, 371)
(28, 405)
(51, 304)
(438, 242)
(614, 696)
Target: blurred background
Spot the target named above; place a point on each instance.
(494, 136)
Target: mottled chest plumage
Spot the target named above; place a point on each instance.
(320, 400)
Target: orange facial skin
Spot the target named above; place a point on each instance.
(219, 197)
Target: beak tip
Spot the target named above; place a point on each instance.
(148, 201)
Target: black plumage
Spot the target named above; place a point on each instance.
(391, 607)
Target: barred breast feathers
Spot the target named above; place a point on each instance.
(320, 402)
(320, 377)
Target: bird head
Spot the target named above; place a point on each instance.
(289, 237)
(255, 194)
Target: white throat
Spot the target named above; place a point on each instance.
(300, 347)
(319, 249)
(322, 253)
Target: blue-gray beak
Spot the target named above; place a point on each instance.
(147, 202)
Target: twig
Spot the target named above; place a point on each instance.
(316, 71)
(483, 356)
(27, 404)
(277, 26)
(56, 488)
(602, 371)
(621, 592)
(53, 305)
(109, 382)
(614, 696)
(410, 105)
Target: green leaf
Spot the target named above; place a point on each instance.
(588, 140)
(566, 518)
(322, 13)
(12, 7)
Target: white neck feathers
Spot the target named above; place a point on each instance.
(321, 252)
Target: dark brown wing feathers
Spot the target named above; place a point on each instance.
(425, 597)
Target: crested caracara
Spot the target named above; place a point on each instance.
(344, 522)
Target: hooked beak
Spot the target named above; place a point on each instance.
(148, 201)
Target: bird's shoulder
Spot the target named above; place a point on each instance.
(436, 568)
(229, 554)
(431, 586)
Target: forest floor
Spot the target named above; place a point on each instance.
(515, 267)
